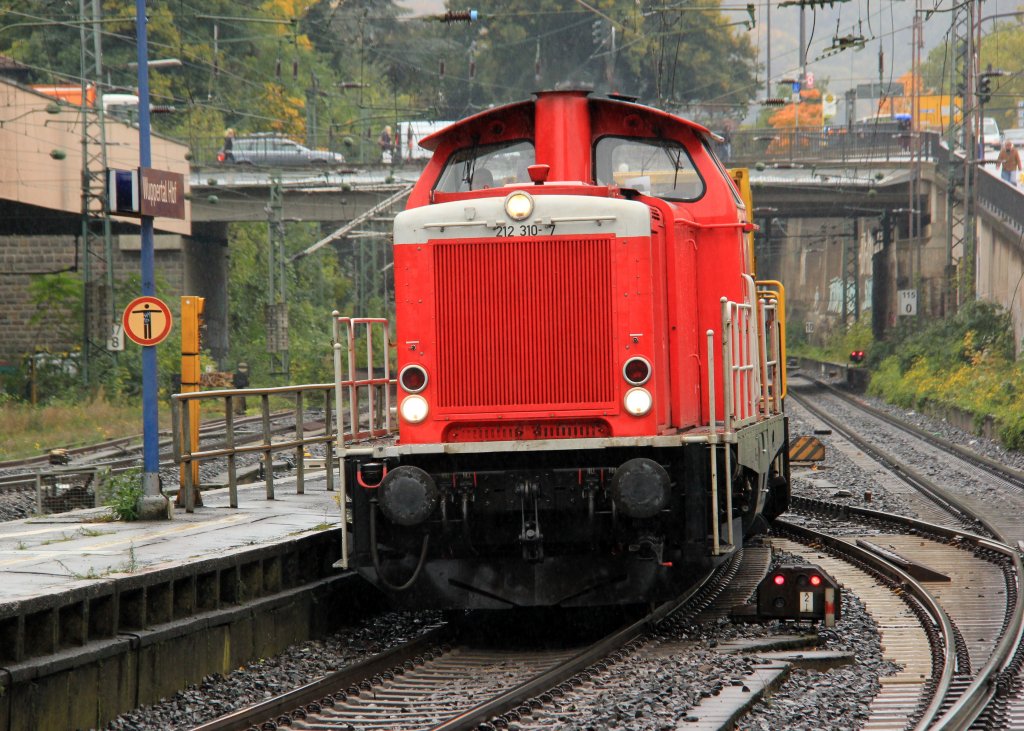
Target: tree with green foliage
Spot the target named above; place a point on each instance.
(1002, 48)
(315, 286)
(666, 54)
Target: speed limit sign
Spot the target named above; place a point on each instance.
(908, 302)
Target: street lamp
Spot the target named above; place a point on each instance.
(158, 63)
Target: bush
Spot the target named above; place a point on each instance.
(122, 493)
(965, 362)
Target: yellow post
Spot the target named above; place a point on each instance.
(191, 322)
(741, 177)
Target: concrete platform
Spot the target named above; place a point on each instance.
(160, 604)
(60, 553)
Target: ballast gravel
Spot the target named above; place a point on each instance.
(257, 681)
(657, 688)
(653, 692)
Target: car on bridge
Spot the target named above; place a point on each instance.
(991, 136)
(1014, 135)
(272, 150)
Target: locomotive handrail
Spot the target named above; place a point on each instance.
(378, 420)
(773, 289)
(741, 358)
(716, 548)
(352, 386)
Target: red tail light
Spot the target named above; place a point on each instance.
(779, 579)
(413, 378)
(637, 371)
(815, 581)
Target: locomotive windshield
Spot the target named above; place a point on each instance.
(662, 168)
(487, 166)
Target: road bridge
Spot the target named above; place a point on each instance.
(838, 223)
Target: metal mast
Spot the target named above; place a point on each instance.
(98, 307)
(962, 135)
(277, 284)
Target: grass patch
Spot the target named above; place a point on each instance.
(33, 430)
(63, 538)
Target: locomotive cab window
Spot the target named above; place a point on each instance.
(661, 168)
(725, 176)
(487, 166)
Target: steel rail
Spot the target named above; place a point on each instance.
(26, 481)
(309, 698)
(471, 719)
(907, 583)
(940, 496)
(972, 702)
(313, 693)
(1006, 472)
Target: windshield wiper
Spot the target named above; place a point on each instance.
(470, 168)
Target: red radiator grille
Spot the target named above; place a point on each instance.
(524, 322)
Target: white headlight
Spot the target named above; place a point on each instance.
(637, 401)
(518, 205)
(414, 409)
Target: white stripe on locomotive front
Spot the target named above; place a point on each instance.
(482, 217)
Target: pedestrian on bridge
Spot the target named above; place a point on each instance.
(1009, 163)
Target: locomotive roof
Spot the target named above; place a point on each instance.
(431, 142)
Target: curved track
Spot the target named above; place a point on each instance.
(996, 655)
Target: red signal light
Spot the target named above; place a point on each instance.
(779, 579)
(815, 580)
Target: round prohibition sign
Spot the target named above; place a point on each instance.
(146, 320)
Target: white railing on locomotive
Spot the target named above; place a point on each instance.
(740, 386)
(771, 358)
(775, 294)
(372, 385)
(716, 545)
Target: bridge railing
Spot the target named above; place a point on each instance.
(800, 145)
(1001, 198)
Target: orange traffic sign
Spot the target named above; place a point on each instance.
(147, 320)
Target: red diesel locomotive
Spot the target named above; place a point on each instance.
(590, 382)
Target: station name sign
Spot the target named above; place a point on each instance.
(146, 192)
(163, 193)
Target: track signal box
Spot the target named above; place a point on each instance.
(801, 592)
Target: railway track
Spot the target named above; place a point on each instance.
(983, 607)
(119, 455)
(443, 683)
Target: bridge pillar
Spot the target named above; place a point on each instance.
(206, 275)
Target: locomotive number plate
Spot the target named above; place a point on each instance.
(521, 229)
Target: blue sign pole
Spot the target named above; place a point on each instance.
(152, 504)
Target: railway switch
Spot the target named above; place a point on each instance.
(801, 592)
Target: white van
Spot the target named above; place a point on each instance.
(992, 138)
(122, 106)
(126, 107)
